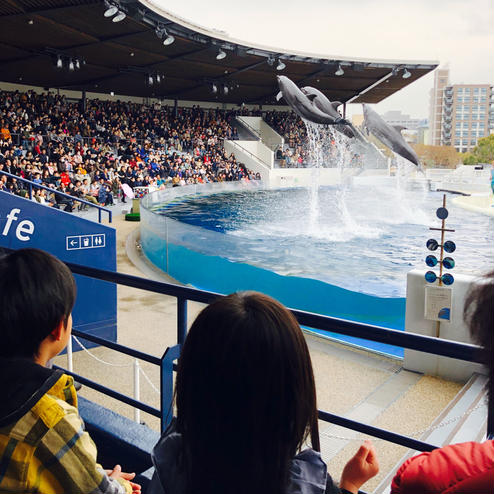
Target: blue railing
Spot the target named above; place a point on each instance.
(427, 344)
(53, 191)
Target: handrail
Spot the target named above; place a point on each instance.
(427, 344)
(422, 343)
(249, 127)
(117, 346)
(249, 152)
(85, 139)
(111, 392)
(57, 192)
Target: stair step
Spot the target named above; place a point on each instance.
(470, 405)
(367, 411)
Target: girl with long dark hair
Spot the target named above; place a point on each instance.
(246, 406)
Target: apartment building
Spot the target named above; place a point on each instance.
(460, 114)
(441, 81)
(467, 115)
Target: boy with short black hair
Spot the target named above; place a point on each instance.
(43, 447)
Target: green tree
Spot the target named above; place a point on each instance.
(483, 152)
(437, 156)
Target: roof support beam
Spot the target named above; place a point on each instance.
(368, 88)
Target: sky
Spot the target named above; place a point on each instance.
(455, 32)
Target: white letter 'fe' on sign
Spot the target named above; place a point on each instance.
(24, 229)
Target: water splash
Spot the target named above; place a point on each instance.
(328, 148)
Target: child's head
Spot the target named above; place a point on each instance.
(37, 293)
(479, 315)
(245, 395)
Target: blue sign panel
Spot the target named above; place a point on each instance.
(25, 223)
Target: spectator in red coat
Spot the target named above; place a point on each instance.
(65, 179)
(466, 468)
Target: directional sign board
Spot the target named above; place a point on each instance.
(75, 242)
(25, 223)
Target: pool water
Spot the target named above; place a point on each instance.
(344, 252)
(363, 240)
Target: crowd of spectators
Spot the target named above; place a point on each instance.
(90, 152)
(291, 127)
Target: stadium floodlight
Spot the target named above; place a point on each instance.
(158, 78)
(214, 88)
(225, 90)
(111, 11)
(406, 74)
(169, 38)
(280, 65)
(221, 55)
(71, 65)
(340, 70)
(59, 62)
(150, 80)
(77, 64)
(120, 16)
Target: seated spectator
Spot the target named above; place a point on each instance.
(148, 141)
(466, 468)
(43, 446)
(246, 404)
(105, 197)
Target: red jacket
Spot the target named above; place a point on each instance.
(466, 468)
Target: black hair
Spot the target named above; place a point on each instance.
(37, 292)
(479, 315)
(245, 396)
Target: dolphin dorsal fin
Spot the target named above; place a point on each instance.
(311, 96)
(336, 104)
(279, 96)
(399, 128)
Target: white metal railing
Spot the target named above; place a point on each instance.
(251, 154)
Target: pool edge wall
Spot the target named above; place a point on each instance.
(167, 244)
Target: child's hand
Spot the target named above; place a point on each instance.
(117, 473)
(359, 469)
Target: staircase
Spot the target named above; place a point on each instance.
(255, 146)
(464, 419)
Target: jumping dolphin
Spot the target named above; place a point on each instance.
(388, 135)
(303, 106)
(326, 106)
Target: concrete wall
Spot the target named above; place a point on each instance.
(260, 150)
(455, 330)
(252, 122)
(304, 177)
(270, 137)
(247, 157)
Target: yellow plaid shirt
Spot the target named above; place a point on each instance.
(47, 450)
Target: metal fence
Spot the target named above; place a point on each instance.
(446, 348)
(30, 185)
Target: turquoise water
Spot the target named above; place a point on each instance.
(350, 261)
